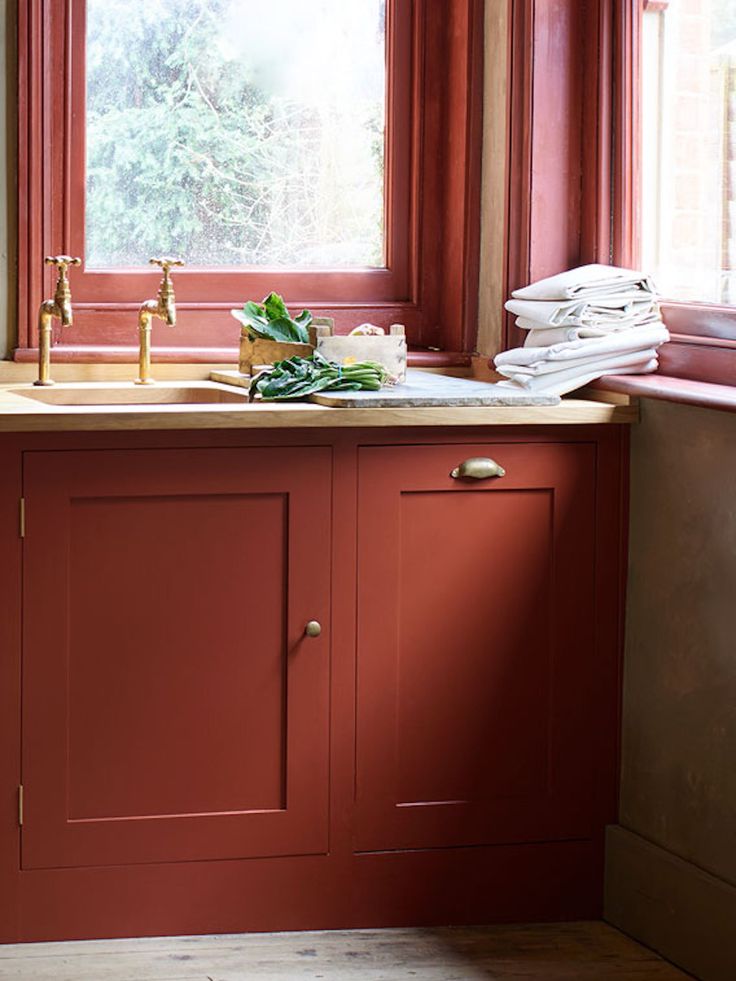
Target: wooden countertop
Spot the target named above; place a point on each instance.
(20, 413)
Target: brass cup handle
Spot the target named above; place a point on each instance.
(478, 468)
(313, 629)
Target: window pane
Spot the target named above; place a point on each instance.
(689, 148)
(236, 132)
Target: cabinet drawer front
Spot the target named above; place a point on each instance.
(173, 709)
(475, 644)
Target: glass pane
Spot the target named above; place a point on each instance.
(236, 132)
(689, 148)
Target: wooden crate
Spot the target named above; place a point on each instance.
(388, 350)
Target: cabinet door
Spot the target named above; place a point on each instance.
(475, 646)
(173, 708)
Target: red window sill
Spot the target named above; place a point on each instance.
(205, 355)
(685, 391)
(694, 368)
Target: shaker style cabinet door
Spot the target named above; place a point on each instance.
(475, 646)
(173, 708)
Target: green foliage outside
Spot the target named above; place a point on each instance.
(192, 149)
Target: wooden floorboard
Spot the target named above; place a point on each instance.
(558, 952)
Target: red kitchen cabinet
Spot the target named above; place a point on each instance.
(444, 752)
(475, 644)
(173, 709)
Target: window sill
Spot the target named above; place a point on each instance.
(685, 391)
(91, 354)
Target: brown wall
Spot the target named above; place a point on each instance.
(679, 723)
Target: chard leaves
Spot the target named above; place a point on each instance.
(271, 321)
(296, 378)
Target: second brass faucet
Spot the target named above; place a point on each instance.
(163, 308)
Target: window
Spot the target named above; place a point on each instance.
(680, 56)
(688, 194)
(328, 150)
(210, 135)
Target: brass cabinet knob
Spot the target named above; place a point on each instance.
(478, 468)
(313, 628)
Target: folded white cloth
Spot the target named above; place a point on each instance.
(520, 372)
(586, 281)
(567, 380)
(544, 335)
(636, 339)
(583, 313)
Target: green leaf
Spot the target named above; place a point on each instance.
(275, 307)
(271, 321)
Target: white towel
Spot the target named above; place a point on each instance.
(586, 281)
(562, 382)
(524, 371)
(583, 313)
(636, 339)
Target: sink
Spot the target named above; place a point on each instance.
(92, 393)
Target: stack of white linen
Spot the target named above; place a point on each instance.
(591, 321)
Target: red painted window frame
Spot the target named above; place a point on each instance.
(560, 140)
(574, 166)
(433, 183)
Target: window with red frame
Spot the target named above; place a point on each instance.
(688, 193)
(685, 58)
(329, 151)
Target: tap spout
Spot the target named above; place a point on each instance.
(166, 300)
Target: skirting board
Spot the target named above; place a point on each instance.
(672, 906)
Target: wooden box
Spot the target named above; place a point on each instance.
(388, 350)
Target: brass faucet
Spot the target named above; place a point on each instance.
(61, 307)
(163, 307)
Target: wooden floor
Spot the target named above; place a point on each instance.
(560, 952)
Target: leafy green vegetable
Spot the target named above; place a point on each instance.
(296, 378)
(270, 321)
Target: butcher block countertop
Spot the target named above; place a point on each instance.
(196, 403)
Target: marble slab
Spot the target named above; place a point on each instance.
(421, 388)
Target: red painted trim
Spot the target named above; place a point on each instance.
(521, 116)
(701, 319)
(626, 85)
(598, 110)
(560, 110)
(433, 183)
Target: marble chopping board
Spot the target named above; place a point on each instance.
(423, 388)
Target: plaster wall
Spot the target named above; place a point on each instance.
(678, 785)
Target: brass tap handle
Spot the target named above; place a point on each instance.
(166, 262)
(62, 261)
